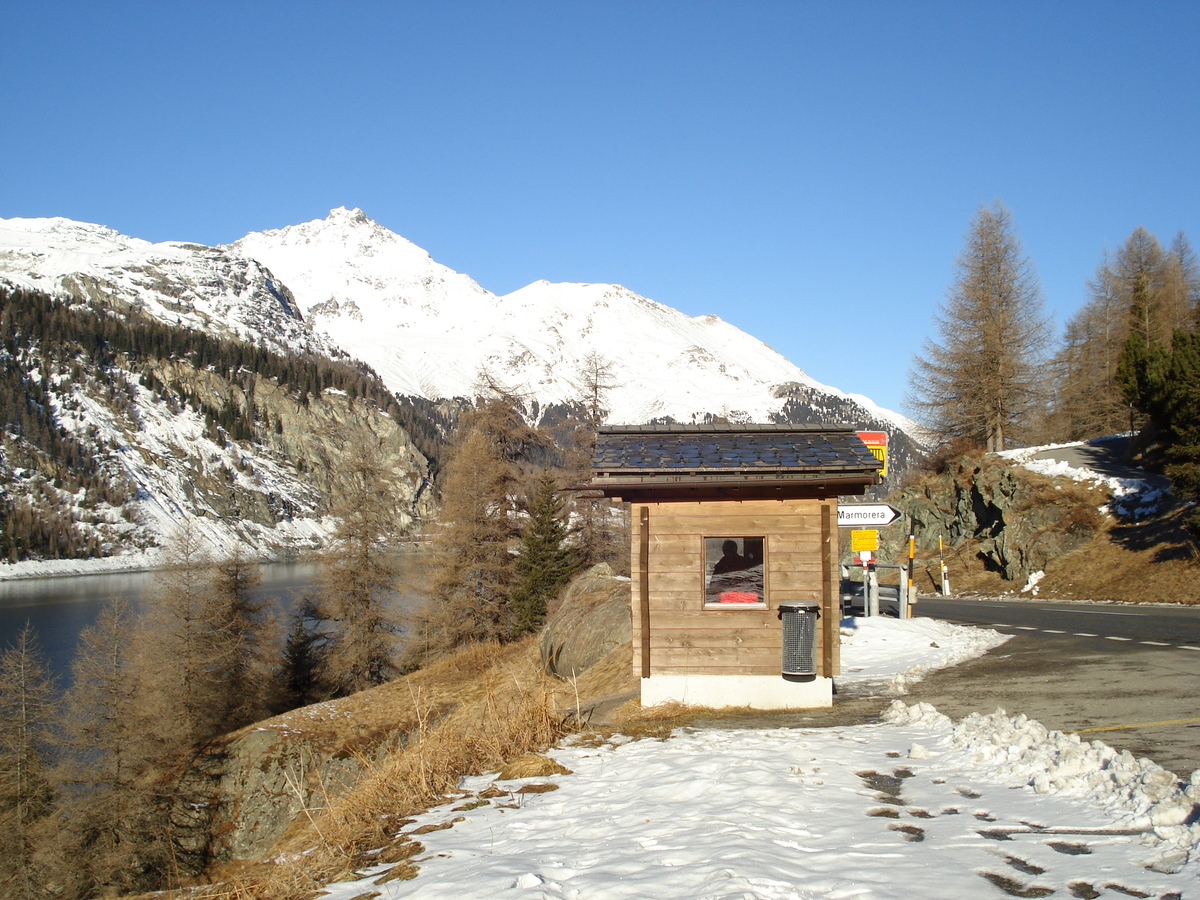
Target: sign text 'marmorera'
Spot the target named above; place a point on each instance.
(867, 514)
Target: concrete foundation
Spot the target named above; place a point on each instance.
(754, 691)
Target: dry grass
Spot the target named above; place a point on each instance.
(475, 711)
(532, 765)
(1152, 561)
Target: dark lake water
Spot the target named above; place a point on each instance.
(60, 608)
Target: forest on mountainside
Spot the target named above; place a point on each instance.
(55, 351)
(105, 789)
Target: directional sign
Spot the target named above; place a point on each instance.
(878, 514)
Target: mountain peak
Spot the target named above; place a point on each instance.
(350, 216)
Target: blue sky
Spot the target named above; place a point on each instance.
(806, 171)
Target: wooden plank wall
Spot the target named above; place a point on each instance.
(686, 638)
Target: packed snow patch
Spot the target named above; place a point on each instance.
(881, 654)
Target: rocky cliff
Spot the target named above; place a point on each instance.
(1012, 520)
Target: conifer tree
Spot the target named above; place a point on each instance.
(253, 631)
(468, 588)
(28, 712)
(115, 808)
(545, 561)
(981, 380)
(599, 527)
(299, 685)
(356, 602)
(187, 645)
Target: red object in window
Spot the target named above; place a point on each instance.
(738, 597)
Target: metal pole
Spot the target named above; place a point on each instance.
(945, 574)
(866, 585)
(912, 555)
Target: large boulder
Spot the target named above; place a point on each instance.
(593, 618)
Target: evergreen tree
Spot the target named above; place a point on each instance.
(28, 712)
(469, 583)
(981, 381)
(300, 663)
(544, 562)
(358, 576)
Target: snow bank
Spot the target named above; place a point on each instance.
(888, 655)
(1131, 498)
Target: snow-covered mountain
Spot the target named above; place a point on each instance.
(430, 331)
(178, 283)
(345, 284)
(243, 441)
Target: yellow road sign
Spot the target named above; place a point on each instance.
(864, 539)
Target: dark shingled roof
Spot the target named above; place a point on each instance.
(649, 458)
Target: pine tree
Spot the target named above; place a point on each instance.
(470, 573)
(1087, 400)
(253, 631)
(115, 810)
(187, 645)
(981, 381)
(28, 713)
(300, 663)
(599, 527)
(545, 562)
(358, 575)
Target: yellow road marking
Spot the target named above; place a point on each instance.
(1139, 725)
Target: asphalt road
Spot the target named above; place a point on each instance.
(1133, 671)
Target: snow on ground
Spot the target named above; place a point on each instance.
(916, 806)
(1131, 498)
(884, 656)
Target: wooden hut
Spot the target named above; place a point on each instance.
(728, 522)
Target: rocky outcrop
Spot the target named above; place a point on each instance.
(248, 790)
(296, 467)
(1013, 519)
(592, 619)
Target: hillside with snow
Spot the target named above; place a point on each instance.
(182, 284)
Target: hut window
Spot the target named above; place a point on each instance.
(733, 572)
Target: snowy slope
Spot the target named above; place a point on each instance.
(430, 331)
(177, 283)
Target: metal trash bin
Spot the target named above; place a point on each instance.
(799, 619)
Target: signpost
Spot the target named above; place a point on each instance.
(864, 539)
(874, 514)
